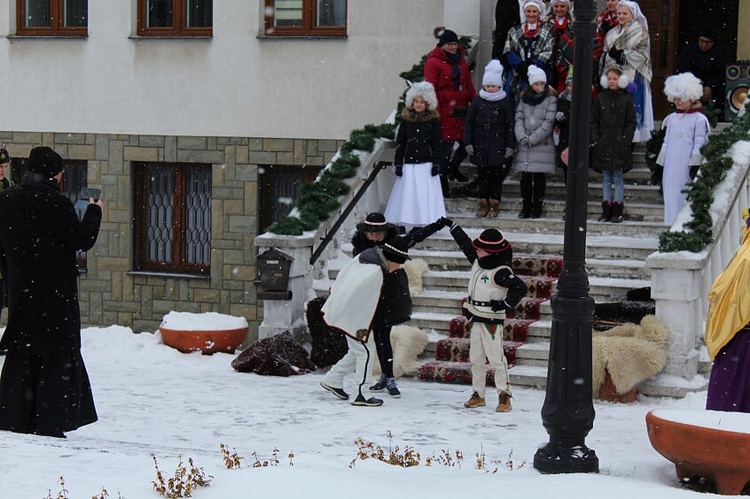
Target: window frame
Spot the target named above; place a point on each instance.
(56, 18)
(179, 264)
(308, 28)
(179, 22)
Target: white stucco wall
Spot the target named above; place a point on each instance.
(234, 84)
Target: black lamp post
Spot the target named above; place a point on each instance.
(568, 410)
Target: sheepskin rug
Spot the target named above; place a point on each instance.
(414, 269)
(408, 343)
(631, 353)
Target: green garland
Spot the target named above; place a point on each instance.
(699, 233)
(316, 201)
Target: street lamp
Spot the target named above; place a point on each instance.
(568, 410)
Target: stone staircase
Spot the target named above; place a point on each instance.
(615, 261)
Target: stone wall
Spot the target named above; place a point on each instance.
(110, 291)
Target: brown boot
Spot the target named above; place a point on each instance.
(494, 208)
(503, 402)
(482, 208)
(475, 401)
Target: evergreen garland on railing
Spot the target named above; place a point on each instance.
(317, 200)
(699, 233)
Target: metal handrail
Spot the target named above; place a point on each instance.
(377, 168)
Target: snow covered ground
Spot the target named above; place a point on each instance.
(152, 399)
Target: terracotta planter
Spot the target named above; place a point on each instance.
(608, 392)
(225, 340)
(716, 448)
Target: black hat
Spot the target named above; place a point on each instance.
(446, 36)
(396, 250)
(375, 222)
(44, 161)
(4, 156)
(491, 240)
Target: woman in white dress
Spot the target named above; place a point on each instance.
(628, 46)
(417, 197)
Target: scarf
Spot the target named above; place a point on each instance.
(492, 97)
(689, 111)
(455, 60)
(532, 98)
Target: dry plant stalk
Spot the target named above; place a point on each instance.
(231, 460)
(368, 450)
(184, 482)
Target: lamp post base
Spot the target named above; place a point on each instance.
(555, 458)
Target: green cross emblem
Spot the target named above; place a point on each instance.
(484, 278)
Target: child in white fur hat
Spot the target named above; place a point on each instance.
(488, 135)
(687, 131)
(417, 196)
(534, 124)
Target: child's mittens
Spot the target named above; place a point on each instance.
(469, 149)
(560, 116)
(525, 141)
(509, 152)
(399, 170)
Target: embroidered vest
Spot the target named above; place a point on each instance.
(482, 290)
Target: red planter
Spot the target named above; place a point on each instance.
(226, 340)
(703, 451)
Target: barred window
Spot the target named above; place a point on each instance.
(173, 217)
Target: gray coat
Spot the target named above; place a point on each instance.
(536, 122)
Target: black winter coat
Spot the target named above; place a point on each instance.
(613, 124)
(39, 236)
(489, 129)
(419, 138)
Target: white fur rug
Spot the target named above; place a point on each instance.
(414, 269)
(408, 343)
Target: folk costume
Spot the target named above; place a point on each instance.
(527, 45)
(605, 21)
(44, 386)
(365, 292)
(686, 132)
(629, 47)
(417, 196)
(493, 289)
(562, 47)
(728, 334)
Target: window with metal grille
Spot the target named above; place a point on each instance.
(305, 18)
(173, 217)
(74, 179)
(175, 17)
(279, 186)
(52, 17)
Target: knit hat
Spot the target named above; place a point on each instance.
(493, 73)
(536, 74)
(492, 241)
(425, 90)
(374, 222)
(683, 86)
(44, 161)
(4, 156)
(446, 36)
(622, 82)
(396, 250)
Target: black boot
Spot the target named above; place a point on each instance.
(526, 191)
(537, 198)
(444, 186)
(606, 212)
(617, 212)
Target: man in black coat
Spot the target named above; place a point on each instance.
(707, 59)
(44, 387)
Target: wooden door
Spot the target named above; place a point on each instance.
(663, 27)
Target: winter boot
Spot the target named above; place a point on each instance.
(380, 385)
(444, 185)
(526, 191)
(537, 199)
(606, 212)
(482, 208)
(494, 208)
(617, 212)
(475, 401)
(393, 390)
(503, 402)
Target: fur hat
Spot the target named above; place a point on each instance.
(425, 90)
(374, 222)
(536, 75)
(492, 241)
(683, 86)
(445, 36)
(44, 161)
(493, 73)
(396, 250)
(622, 82)
(4, 156)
